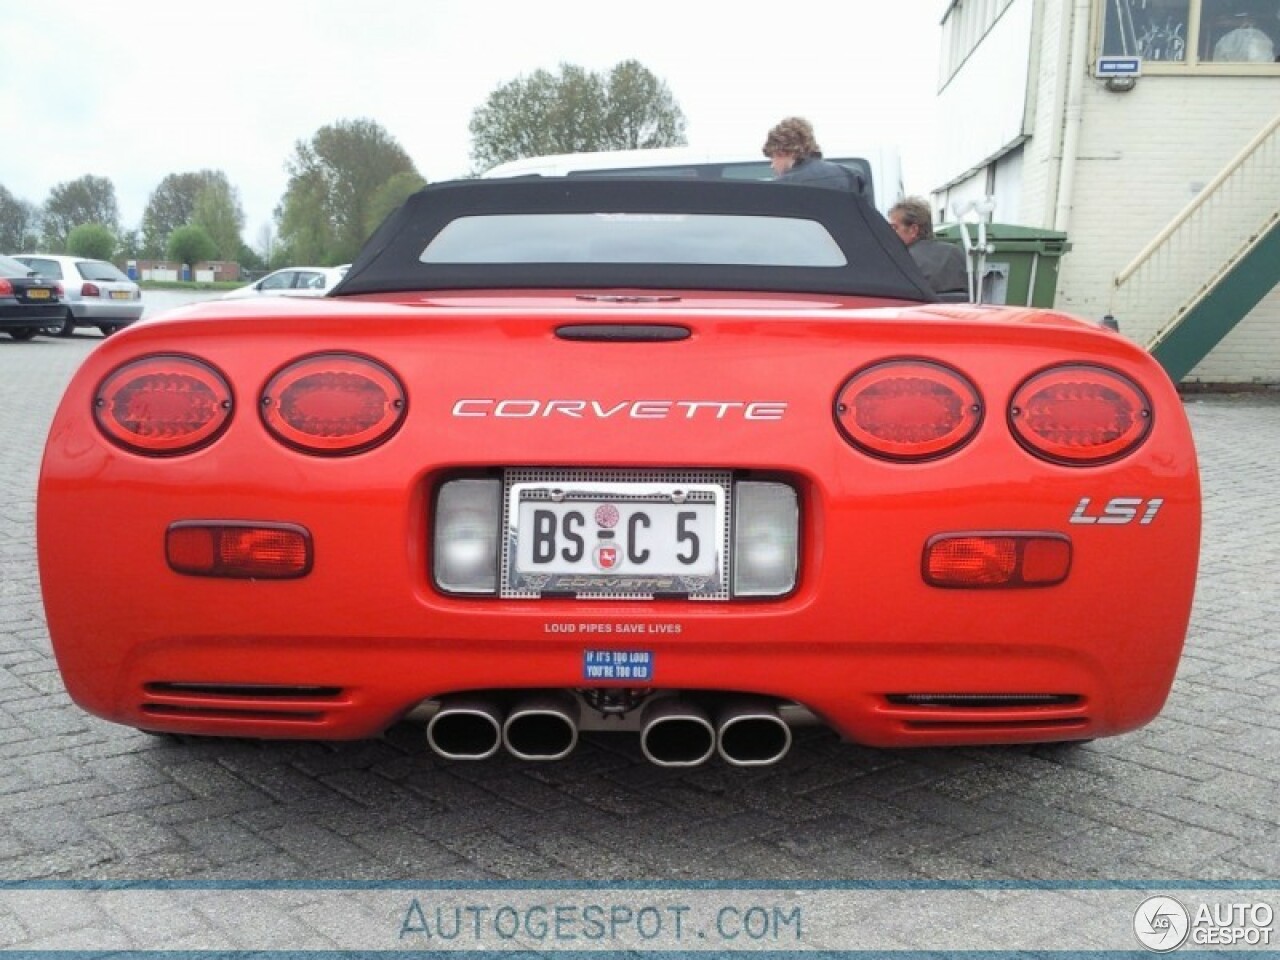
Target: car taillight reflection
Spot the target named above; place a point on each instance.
(163, 405)
(333, 404)
(1080, 415)
(908, 410)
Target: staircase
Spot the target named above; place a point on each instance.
(1211, 264)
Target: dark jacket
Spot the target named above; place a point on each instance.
(942, 265)
(816, 172)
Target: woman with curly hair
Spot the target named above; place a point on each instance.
(794, 154)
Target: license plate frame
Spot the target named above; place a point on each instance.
(707, 493)
(121, 294)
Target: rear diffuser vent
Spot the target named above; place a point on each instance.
(240, 702)
(1012, 712)
(983, 701)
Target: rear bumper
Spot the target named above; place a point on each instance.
(16, 317)
(91, 312)
(1011, 681)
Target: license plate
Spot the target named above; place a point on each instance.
(121, 294)
(625, 534)
(37, 294)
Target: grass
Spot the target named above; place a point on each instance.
(191, 286)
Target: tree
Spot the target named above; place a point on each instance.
(575, 112)
(173, 204)
(640, 112)
(89, 199)
(332, 183)
(19, 223)
(191, 245)
(390, 196)
(306, 232)
(218, 210)
(92, 240)
(266, 245)
(248, 258)
(130, 245)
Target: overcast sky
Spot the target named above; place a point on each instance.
(135, 91)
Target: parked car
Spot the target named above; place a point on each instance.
(29, 304)
(98, 294)
(692, 461)
(292, 282)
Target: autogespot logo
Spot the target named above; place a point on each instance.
(1161, 924)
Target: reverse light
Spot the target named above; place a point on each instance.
(163, 405)
(254, 551)
(333, 404)
(979, 560)
(1080, 415)
(766, 539)
(465, 544)
(908, 410)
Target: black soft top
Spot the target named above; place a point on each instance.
(874, 263)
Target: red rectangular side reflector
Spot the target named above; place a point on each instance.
(252, 551)
(985, 560)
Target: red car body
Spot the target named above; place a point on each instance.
(989, 515)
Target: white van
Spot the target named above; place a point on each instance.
(880, 168)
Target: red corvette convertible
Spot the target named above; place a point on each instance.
(694, 462)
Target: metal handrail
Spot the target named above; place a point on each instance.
(1149, 250)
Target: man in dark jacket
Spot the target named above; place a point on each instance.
(942, 264)
(794, 154)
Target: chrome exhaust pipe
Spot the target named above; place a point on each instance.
(543, 727)
(676, 734)
(465, 728)
(752, 734)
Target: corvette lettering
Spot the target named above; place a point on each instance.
(622, 409)
(1117, 510)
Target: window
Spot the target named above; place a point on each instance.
(1223, 35)
(964, 25)
(49, 269)
(635, 238)
(99, 270)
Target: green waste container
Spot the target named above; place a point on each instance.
(1022, 262)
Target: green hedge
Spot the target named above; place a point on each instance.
(193, 285)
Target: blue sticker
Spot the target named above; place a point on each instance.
(629, 665)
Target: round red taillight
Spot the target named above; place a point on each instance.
(1080, 415)
(908, 410)
(163, 405)
(333, 403)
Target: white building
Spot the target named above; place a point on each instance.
(1167, 183)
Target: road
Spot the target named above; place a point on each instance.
(158, 301)
(1192, 796)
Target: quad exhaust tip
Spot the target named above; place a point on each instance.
(674, 733)
(543, 727)
(465, 728)
(752, 734)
